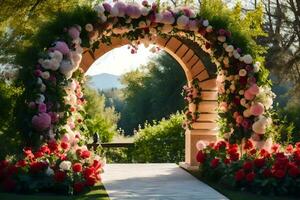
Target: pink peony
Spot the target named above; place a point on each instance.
(61, 47)
(41, 122)
(133, 11)
(254, 89)
(248, 95)
(168, 18)
(42, 108)
(257, 109)
(107, 7)
(74, 32)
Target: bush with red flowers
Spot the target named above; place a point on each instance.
(53, 167)
(276, 172)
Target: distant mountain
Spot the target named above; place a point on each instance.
(105, 81)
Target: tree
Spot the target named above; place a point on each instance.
(20, 19)
(100, 119)
(152, 92)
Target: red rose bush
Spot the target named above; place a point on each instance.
(274, 172)
(53, 167)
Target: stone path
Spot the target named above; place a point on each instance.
(155, 182)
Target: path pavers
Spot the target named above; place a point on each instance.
(155, 182)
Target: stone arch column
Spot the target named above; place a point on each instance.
(206, 127)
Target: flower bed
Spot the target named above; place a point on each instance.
(53, 167)
(276, 172)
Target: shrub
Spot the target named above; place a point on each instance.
(275, 172)
(161, 142)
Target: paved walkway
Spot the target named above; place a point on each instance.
(155, 182)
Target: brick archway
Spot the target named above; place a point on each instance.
(192, 63)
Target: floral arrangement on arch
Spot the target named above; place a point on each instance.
(271, 171)
(245, 97)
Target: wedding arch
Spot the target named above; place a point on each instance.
(225, 83)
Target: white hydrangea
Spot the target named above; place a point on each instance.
(247, 59)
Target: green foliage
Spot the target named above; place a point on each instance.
(291, 114)
(161, 142)
(244, 28)
(9, 137)
(20, 20)
(152, 92)
(100, 119)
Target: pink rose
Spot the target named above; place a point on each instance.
(239, 119)
(61, 47)
(41, 122)
(257, 109)
(74, 32)
(254, 89)
(248, 95)
(42, 108)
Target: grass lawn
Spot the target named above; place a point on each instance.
(235, 194)
(97, 193)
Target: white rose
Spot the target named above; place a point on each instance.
(236, 55)
(209, 29)
(256, 67)
(222, 38)
(183, 21)
(40, 99)
(241, 92)
(229, 48)
(205, 23)
(242, 72)
(66, 67)
(45, 75)
(145, 11)
(43, 88)
(247, 59)
(65, 165)
(99, 9)
(89, 27)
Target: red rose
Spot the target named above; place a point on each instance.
(88, 172)
(247, 166)
(37, 167)
(221, 145)
(289, 148)
(85, 154)
(297, 145)
(250, 177)
(3, 164)
(64, 145)
(240, 175)
(294, 172)
(248, 145)
(215, 162)
(234, 156)
(90, 181)
(38, 154)
(45, 149)
(77, 167)
(53, 146)
(279, 173)
(201, 157)
(259, 162)
(21, 163)
(275, 148)
(78, 187)
(96, 164)
(264, 153)
(226, 161)
(253, 152)
(267, 173)
(59, 176)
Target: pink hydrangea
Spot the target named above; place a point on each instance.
(61, 47)
(257, 109)
(168, 18)
(74, 32)
(41, 121)
(133, 11)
